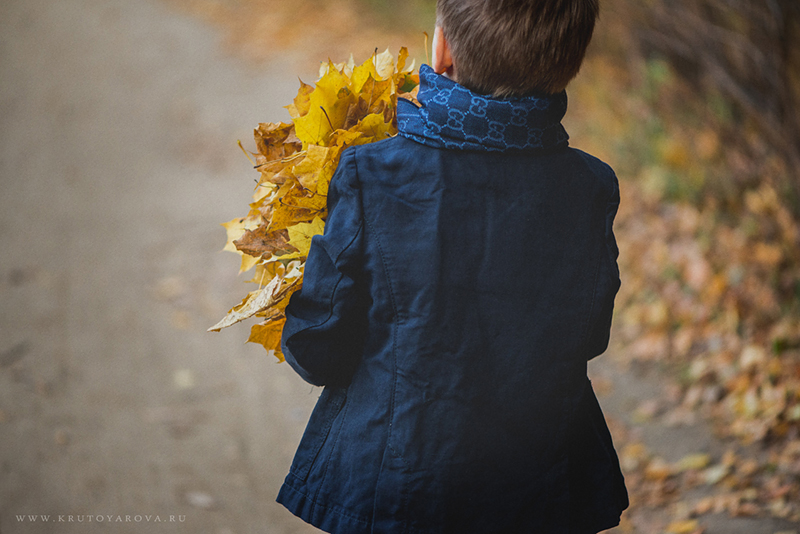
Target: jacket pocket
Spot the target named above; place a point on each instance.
(319, 427)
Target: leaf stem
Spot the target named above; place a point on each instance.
(326, 116)
(239, 142)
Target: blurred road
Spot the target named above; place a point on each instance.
(118, 124)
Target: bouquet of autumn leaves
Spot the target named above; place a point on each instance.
(350, 105)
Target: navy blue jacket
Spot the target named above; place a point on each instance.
(450, 310)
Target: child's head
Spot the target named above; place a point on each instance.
(513, 47)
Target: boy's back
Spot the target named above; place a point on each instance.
(466, 275)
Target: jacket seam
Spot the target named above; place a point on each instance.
(396, 320)
(320, 441)
(396, 315)
(328, 459)
(329, 508)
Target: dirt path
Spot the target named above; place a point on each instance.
(118, 123)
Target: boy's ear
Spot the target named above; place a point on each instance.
(442, 60)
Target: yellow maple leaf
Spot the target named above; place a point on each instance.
(343, 138)
(362, 73)
(248, 262)
(328, 105)
(287, 217)
(316, 167)
(300, 197)
(402, 57)
(277, 171)
(374, 128)
(405, 80)
(292, 203)
(235, 229)
(268, 334)
(300, 237)
(378, 94)
(302, 102)
(345, 67)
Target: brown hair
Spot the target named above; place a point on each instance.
(512, 48)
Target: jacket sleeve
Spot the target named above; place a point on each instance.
(608, 280)
(325, 320)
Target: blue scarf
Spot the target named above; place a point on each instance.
(452, 116)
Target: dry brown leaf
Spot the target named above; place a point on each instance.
(260, 243)
(255, 302)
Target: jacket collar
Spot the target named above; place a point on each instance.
(452, 116)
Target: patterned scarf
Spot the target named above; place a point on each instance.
(452, 116)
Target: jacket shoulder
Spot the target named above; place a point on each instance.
(388, 145)
(388, 151)
(600, 169)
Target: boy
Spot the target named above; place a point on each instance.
(466, 275)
